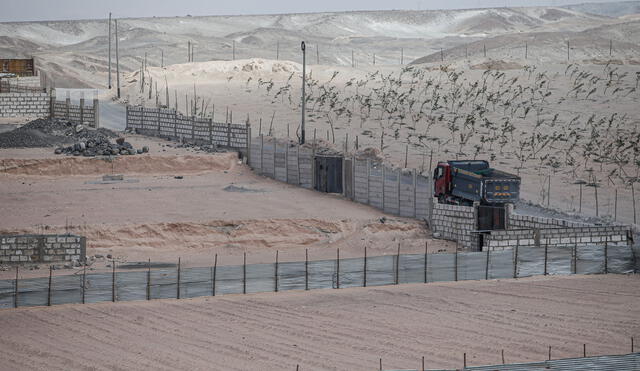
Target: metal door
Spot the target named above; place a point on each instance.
(491, 218)
(328, 174)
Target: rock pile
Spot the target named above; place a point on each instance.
(50, 133)
(100, 147)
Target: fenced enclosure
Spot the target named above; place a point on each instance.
(6, 86)
(168, 123)
(309, 275)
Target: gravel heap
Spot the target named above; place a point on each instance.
(69, 138)
(51, 133)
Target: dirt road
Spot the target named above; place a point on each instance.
(346, 329)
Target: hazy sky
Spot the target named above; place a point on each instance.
(31, 10)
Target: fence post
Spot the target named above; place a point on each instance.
(397, 280)
(575, 258)
(175, 124)
(306, 269)
(15, 295)
(286, 162)
(244, 273)
(82, 108)
(178, 281)
(262, 154)
(606, 257)
(213, 276)
(210, 131)
(426, 260)
(546, 253)
(338, 269)
(384, 176)
(113, 282)
(49, 289)
(52, 103)
(515, 259)
(193, 128)
(68, 107)
(275, 149)
(486, 269)
(456, 263)
(158, 111)
(228, 134)
(368, 177)
(149, 279)
(364, 279)
(415, 201)
(248, 134)
(276, 272)
(84, 282)
(298, 163)
(96, 112)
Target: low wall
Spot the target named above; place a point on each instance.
(557, 237)
(530, 222)
(76, 113)
(24, 104)
(41, 248)
(455, 222)
(168, 123)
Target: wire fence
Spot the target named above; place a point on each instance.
(310, 275)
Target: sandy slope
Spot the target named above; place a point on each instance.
(346, 329)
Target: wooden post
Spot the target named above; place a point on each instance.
(113, 281)
(549, 352)
(415, 196)
(584, 350)
(178, 281)
(398, 265)
(580, 200)
(464, 360)
(276, 273)
(338, 268)
(426, 260)
(244, 273)
(380, 364)
(364, 270)
(546, 252)
(595, 189)
(502, 353)
(422, 363)
(49, 289)
(229, 134)
(149, 279)
(84, 282)
(632, 344)
(486, 269)
(15, 295)
(306, 269)
(213, 276)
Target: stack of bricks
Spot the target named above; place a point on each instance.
(24, 104)
(454, 222)
(42, 248)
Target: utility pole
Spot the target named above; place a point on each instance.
(117, 61)
(109, 50)
(304, 82)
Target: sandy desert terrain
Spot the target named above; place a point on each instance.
(346, 329)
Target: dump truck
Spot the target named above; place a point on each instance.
(466, 182)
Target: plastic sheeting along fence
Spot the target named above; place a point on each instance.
(321, 274)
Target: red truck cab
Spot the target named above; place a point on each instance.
(442, 180)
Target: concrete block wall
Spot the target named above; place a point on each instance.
(525, 222)
(42, 248)
(557, 237)
(454, 222)
(24, 104)
(283, 161)
(30, 81)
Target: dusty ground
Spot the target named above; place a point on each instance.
(218, 207)
(334, 329)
